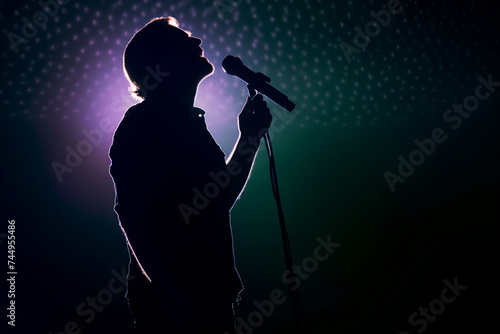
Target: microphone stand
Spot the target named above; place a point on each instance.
(293, 291)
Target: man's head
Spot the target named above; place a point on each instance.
(162, 54)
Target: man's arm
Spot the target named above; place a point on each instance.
(253, 122)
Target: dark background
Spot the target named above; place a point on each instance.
(352, 121)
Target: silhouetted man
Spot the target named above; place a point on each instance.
(174, 188)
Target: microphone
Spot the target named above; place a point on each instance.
(234, 66)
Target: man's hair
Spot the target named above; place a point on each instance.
(148, 47)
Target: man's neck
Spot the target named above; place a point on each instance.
(182, 95)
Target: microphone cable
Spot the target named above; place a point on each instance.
(298, 312)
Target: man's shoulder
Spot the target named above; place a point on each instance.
(134, 113)
(131, 128)
(136, 119)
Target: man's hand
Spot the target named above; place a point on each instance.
(255, 118)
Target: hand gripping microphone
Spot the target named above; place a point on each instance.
(234, 66)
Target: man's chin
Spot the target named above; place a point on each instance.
(209, 66)
(206, 68)
(197, 69)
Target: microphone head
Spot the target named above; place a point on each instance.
(231, 64)
(289, 106)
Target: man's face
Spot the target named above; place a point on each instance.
(187, 56)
